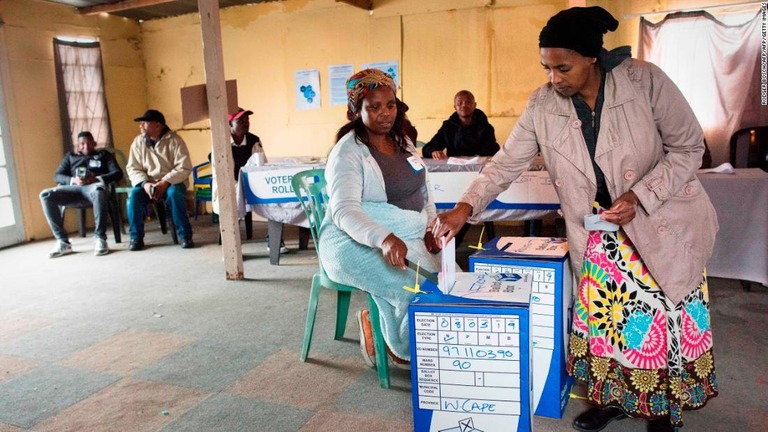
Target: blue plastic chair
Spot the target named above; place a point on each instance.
(202, 183)
(309, 187)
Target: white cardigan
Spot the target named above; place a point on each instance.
(353, 176)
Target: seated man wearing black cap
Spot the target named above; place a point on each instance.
(158, 166)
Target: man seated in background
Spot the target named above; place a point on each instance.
(244, 143)
(465, 133)
(82, 176)
(158, 167)
(244, 146)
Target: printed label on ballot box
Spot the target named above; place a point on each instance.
(470, 365)
(550, 311)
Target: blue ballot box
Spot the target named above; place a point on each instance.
(550, 311)
(470, 364)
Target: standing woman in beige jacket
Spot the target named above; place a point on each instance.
(619, 141)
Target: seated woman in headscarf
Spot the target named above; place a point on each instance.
(619, 141)
(378, 210)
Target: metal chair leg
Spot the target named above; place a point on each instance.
(81, 223)
(171, 225)
(161, 216)
(248, 226)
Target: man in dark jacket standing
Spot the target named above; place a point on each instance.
(466, 133)
(82, 176)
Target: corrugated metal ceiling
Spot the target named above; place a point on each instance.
(153, 11)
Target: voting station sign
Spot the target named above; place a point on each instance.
(470, 363)
(270, 186)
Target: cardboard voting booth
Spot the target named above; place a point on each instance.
(470, 358)
(546, 260)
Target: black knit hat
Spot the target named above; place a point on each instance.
(579, 28)
(151, 115)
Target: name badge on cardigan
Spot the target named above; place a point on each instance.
(416, 163)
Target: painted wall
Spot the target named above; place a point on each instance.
(31, 97)
(442, 46)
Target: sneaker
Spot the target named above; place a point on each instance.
(283, 249)
(62, 248)
(100, 247)
(366, 338)
(397, 361)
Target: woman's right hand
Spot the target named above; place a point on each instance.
(449, 223)
(439, 155)
(394, 251)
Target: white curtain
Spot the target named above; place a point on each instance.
(82, 101)
(712, 64)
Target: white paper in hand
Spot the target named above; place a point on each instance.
(464, 160)
(724, 168)
(447, 277)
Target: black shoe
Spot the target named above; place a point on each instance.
(596, 419)
(187, 244)
(661, 424)
(136, 244)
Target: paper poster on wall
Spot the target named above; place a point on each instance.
(307, 89)
(389, 67)
(338, 75)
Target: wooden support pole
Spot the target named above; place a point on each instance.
(119, 6)
(213, 57)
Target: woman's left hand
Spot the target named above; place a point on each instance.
(623, 210)
(429, 241)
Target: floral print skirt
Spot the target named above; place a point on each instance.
(632, 346)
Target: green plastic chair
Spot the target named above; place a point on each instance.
(309, 187)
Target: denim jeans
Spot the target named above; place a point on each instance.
(94, 193)
(175, 196)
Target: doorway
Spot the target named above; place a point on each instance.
(11, 226)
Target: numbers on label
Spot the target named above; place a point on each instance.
(463, 365)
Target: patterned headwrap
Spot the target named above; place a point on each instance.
(360, 84)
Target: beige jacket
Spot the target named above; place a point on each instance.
(169, 160)
(649, 142)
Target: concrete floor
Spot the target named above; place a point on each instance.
(158, 340)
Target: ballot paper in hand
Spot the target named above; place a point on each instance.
(724, 168)
(453, 160)
(502, 287)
